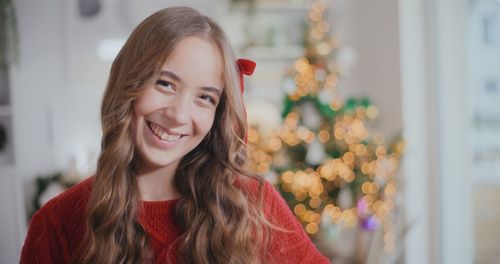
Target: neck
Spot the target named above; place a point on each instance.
(157, 184)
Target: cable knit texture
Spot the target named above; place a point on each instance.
(57, 229)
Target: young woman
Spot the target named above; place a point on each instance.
(170, 184)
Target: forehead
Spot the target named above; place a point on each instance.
(196, 60)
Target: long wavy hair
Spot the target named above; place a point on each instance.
(220, 221)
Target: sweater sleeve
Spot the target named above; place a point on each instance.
(45, 242)
(291, 245)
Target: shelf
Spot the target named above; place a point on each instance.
(299, 7)
(275, 52)
(278, 6)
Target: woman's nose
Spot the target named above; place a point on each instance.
(178, 111)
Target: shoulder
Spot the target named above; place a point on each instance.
(56, 230)
(249, 184)
(69, 206)
(262, 191)
(255, 187)
(71, 200)
(288, 242)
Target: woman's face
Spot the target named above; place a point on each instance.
(175, 113)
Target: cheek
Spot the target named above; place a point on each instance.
(204, 122)
(147, 102)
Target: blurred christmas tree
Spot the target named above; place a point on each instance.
(329, 168)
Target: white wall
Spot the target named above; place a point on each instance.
(10, 226)
(38, 72)
(421, 243)
(455, 118)
(371, 29)
(437, 125)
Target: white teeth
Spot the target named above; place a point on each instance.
(167, 137)
(162, 134)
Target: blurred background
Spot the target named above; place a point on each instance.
(378, 121)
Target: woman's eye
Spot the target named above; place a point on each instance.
(165, 84)
(208, 98)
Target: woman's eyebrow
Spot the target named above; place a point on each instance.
(178, 79)
(211, 89)
(171, 75)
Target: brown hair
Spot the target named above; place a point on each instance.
(220, 222)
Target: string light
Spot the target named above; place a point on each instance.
(355, 159)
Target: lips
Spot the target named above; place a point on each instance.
(162, 133)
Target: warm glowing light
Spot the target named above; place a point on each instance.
(315, 218)
(287, 187)
(257, 155)
(348, 157)
(371, 112)
(323, 26)
(349, 177)
(318, 6)
(380, 151)
(336, 104)
(301, 65)
(287, 176)
(336, 214)
(263, 168)
(315, 16)
(331, 79)
(299, 209)
(349, 217)
(302, 132)
(309, 137)
(302, 91)
(326, 171)
(355, 158)
(316, 190)
(360, 111)
(388, 205)
(400, 146)
(329, 208)
(253, 135)
(370, 188)
(365, 168)
(307, 215)
(275, 144)
(294, 96)
(349, 138)
(300, 196)
(365, 187)
(323, 48)
(324, 136)
(378, 206)
(316, 34)
(312, 228)
(315, 202)
(360, 150)
(291, 120)
(339, 133)
(390, 188)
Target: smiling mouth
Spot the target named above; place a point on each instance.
(162, 134)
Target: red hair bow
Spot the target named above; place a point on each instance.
(246, 67)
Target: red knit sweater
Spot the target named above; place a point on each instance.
(57, 229)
